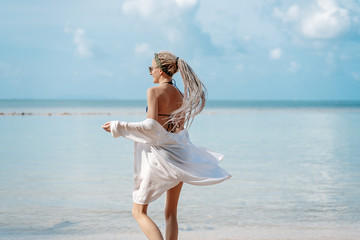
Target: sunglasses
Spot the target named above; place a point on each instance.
(151, 69)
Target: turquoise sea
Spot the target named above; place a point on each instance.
(295, 168)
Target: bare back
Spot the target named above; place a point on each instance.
(162, 101)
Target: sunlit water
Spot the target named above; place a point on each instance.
(63, 177)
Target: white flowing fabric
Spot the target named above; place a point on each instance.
(163, 159)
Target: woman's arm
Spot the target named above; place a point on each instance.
(145, 131)
(152, 103)
(152, 109)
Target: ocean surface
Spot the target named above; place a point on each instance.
(295, 169)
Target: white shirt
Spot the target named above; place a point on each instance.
(163, 159)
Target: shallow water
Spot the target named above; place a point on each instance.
(293, 168)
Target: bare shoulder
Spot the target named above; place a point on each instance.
(152, 92)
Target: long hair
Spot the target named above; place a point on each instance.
(195, 92)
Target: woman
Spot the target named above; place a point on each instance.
(164, 156)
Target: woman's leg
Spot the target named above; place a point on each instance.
(147, 225)
(172, 198)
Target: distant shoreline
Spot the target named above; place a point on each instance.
(137, 107)
(49, 114)
(218, 111)
(209, 103)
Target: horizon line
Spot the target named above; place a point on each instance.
(218, 100)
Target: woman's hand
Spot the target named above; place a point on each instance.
(106, 127)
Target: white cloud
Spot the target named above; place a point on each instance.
(142, 48)
(162, 9)
(290, 15)
(237, 24)
(186, 3)
(327, 21)
(143, 7)
(167, 16)
(83, 45)
(275, 53)
(322, 19)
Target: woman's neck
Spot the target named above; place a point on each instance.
(164, 80)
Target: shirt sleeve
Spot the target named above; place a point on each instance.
(144, 132)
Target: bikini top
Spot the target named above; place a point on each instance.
(170, 127)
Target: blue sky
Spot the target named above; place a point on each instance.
(246, 50)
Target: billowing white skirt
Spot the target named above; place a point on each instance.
(162, 160)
